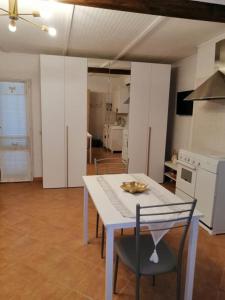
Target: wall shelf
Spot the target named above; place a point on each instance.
(171, 165)
(169, 175)
(170, 170)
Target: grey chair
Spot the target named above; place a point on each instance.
(108, 166)
(134, 251)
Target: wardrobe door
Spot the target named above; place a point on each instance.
(158, 116)
(138, 135)
(76, 119)
(53, 121)
(149, 96)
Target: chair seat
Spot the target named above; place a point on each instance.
(125, 248)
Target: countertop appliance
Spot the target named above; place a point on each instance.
(203, 177)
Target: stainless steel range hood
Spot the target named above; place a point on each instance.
(212, 89)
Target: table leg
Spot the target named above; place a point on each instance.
(109, 263)
(192, 247)
(85, 217)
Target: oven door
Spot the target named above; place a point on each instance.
(186, 178)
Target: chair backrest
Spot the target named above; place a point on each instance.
(110, 166)
(173, 215)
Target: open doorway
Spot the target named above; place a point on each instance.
(15, 141)
(108, 109)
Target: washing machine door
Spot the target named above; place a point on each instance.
(205, 195)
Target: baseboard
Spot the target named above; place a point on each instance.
(37, 179)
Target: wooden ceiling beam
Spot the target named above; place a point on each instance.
(108, 71)
(170, 8)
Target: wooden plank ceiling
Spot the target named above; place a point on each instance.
(171, 8)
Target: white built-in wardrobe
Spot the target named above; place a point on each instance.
(148, 113)
(64, 120)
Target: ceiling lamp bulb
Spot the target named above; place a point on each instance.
(52, 31)
(44, 28)
(12, 26)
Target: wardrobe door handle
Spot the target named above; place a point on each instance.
(149, 146)
(67, 156)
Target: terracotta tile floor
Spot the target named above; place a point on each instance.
(42, 256)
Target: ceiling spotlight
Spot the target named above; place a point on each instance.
(12, 26)
(52, 31)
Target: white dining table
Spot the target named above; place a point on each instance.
(113, 219)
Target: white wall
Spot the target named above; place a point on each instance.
(100, 83)
(26, 67)
(205, 130)
(209, 116)
(184, 72)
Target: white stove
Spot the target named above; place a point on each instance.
(202, 177)
(209, 162)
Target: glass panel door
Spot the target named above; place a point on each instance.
(15, 154)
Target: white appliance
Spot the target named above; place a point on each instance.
(64, 120)
(202, 177)
(115, 138)
(148, 110)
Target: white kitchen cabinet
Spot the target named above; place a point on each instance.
(148, 112)
(115, 138)
(64, 120)
(118, 98)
